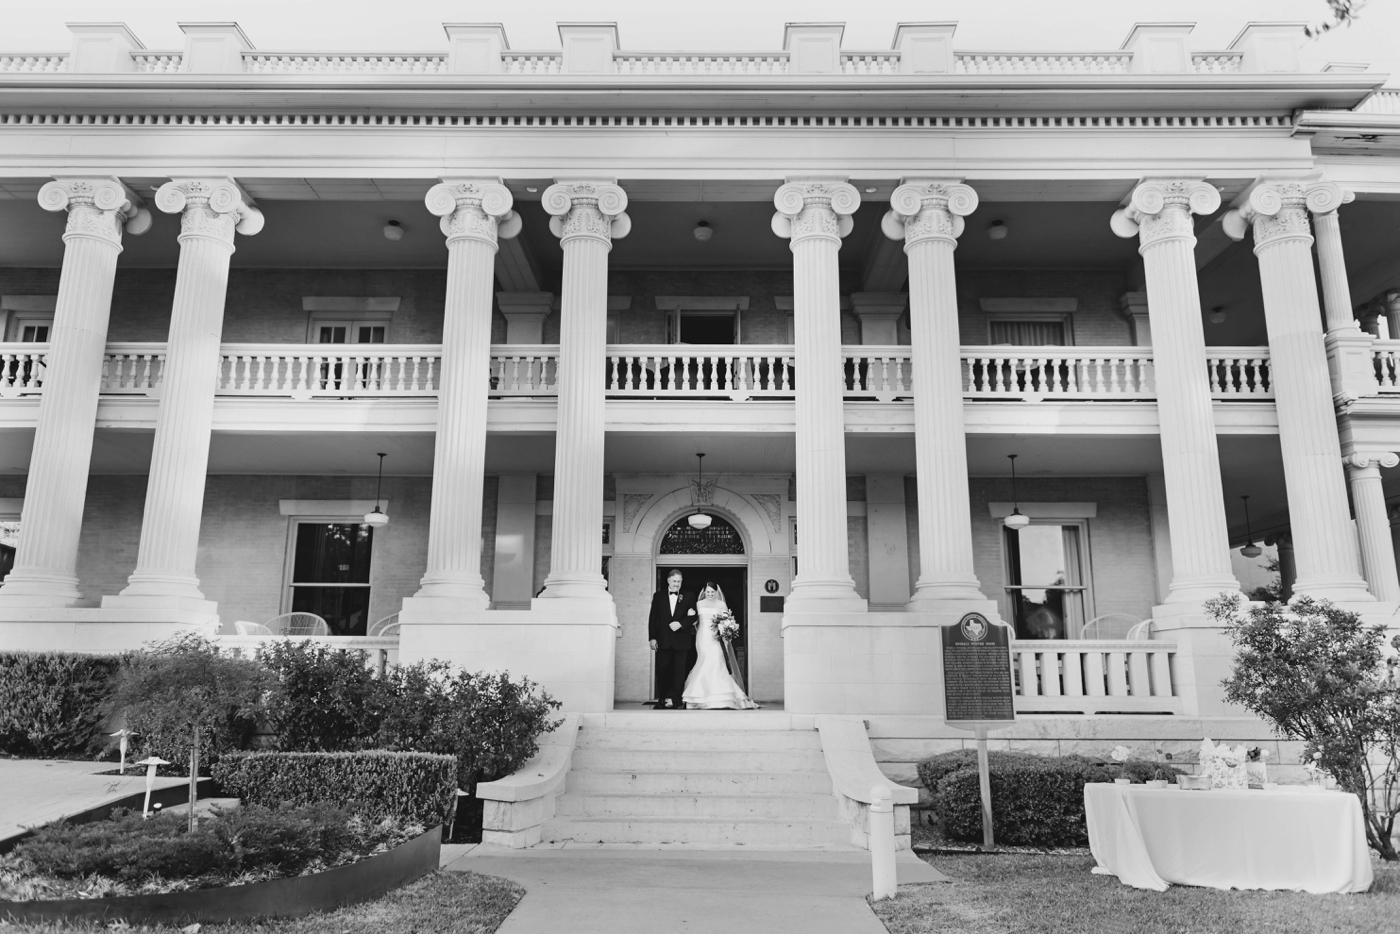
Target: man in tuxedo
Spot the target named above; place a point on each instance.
(671, 628)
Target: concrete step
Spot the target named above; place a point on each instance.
(699, 831)
(686, 760)
(718, 740)
(713, 807)
(695, 782)
(691, 720)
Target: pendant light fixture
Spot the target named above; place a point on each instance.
(1251, 550)
(375, 518)
(1015, 520)
(699, 521)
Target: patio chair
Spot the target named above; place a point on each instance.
(386, 628)
(299, 624)
(245, 628)
(1110, 626)
(1142, 632)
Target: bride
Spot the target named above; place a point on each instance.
(710, 685)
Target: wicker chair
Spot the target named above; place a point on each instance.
(1142, 632)
(1110, 626)
(245, 628)
(386, 628)
(299, 624)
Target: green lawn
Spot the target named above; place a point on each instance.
(1030, 894)
(442, 903)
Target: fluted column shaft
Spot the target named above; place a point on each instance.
(45, 570)
(474, 214)
(1373, 523)
(210, 210)
(1160, 214)
(586, 218)
(1323, 539)
(928, 216)
(816, 215)
(1331, 264)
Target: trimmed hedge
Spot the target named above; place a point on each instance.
(53, 703)
(413, 786)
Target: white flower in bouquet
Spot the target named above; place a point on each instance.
(724, 626)
(1223, 765)
(1121, 754)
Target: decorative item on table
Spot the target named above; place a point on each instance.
(1193, 782)
(1223, 765)
(1255, 766)
(724, 626)
(1162, 771)
(1317, 775)
(1121, 755)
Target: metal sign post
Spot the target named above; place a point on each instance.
(978, 693)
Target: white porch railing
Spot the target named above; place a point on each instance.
(22, 368)
(305, 371)
(1240, 373)
(1385, 357)
(1095, 676)
(700, 63)
(1035, 373)
(524, 370)
(133, 369)
(735, 371)
(380, 653)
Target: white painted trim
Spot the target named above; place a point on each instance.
(11, 506)
(350, 304)
(1061, 305)
(702, 303)
(1046, 510)
(342, 508)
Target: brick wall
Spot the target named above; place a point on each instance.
(1096, 322)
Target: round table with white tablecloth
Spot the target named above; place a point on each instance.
(1296, 838)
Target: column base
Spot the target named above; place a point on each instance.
(471, 596)
(1195, 593)
(161, 587)
(569, 588)
(142, 601)
(824, 597)
(948, 611)
(94, 630)
(34, 590)
(1337, 591)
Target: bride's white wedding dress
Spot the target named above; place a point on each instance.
(709, 685)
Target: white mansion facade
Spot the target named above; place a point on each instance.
(542, 282)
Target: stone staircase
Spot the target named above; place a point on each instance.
(703, 778)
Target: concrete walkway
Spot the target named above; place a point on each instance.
(40, 791)
(626, 890)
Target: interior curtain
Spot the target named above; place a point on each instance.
(1029, 333)
(1074, 577)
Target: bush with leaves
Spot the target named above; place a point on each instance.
(1318, 674)
(321, 700)
(53, 703)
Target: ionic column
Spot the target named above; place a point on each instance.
(45, 571)
(1323, 540)
(815, 215)
(1160, 216)
(1373, 523)
(927, 214)
(474, 212)
(1336, 292)
(210, 210)
(587, 216)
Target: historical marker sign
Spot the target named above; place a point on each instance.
(977, 673)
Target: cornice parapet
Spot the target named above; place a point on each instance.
(474, 209)
(928, 209)
(210, 208)
(1278, 210)
(98, 208)
(587, 209)
(1160, 209)
(815, 209)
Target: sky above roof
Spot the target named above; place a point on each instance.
(712, 25)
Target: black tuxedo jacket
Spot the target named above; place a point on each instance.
(659, 623)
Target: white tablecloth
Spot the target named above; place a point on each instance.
(1298, 839)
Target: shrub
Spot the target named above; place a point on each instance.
(323, 700)
(933, 769)
(1034, 803)
(1316, 673)
(53, 703)
(490, 723)
(413, 786)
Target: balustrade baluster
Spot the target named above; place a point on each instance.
(1211, 366)
(1139, 682)
(1049, 673)
(1029, 685)
(1161, 674)
(1094, 673)
(1117, 674)
(1073, 673)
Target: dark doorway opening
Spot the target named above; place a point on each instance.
(733, 581)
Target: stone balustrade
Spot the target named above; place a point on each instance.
(380, 651)
(1385, 357)
(1096, 676)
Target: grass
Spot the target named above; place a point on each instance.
(441, 903)
(1040, 894)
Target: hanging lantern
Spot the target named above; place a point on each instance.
(375, 518)
(1016, 520)
(700, 521)
(1251, 550)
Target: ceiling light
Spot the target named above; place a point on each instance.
(1251, 550)
(1017, 520)
(1217, 314)
(531, 189)
(871, 190)
(703, 231)
(997, 231)
(393, 231)
(375, 518)
(699, 521)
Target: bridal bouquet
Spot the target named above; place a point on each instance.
(724, 626)
(1223, 765)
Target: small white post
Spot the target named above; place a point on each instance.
(881, 843)
(984, 781)
(122, 736)
(151, 763)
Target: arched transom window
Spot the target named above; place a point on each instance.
(720, 538)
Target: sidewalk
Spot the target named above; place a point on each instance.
(40, 791)
(616, 890)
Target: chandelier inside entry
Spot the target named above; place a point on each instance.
(700, 520)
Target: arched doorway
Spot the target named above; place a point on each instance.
(714, 554)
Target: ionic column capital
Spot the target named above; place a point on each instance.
(1160, 209)
(1360, 460)
(98, 208)
(585, 209)
(1278, 210)
(928, 209)
(474, 209)
(210, 208)
(815, 209)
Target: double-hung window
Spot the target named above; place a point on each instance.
(1047, 579)
(330, 573)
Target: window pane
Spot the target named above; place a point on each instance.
(35, 334)
(707, 329)
(1047, 614)
(1028, 333)
(332, 553)
(1041, 559)
(370, 335)
(345, 609)
(332, 334)
(1041, 553)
